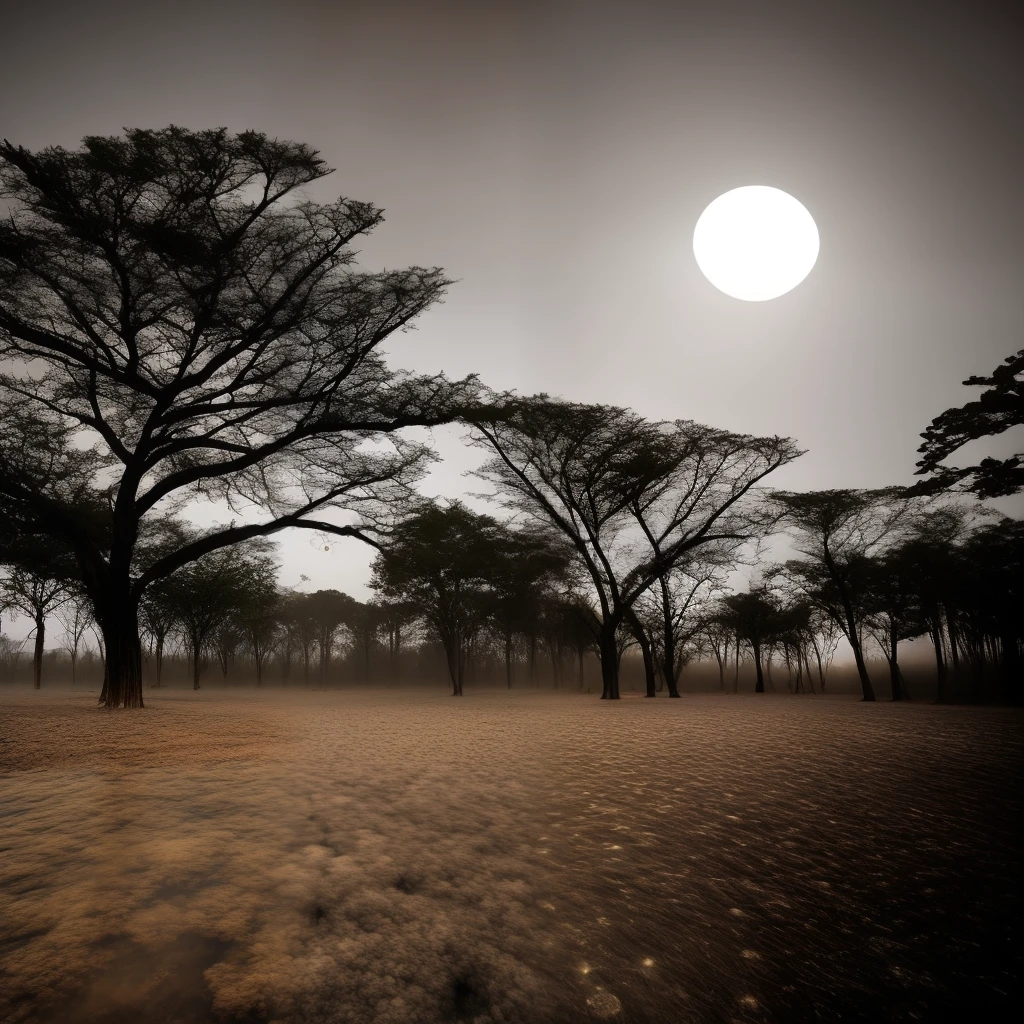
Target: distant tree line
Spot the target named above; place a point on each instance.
(179, 323)
(875, 568)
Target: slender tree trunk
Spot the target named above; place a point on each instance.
(670, 669)
(821, 671)
(645, 651)
(852, 635)
(159, 658)
(396, 664)
(508, 660)
(759, 685)
(736, 677)
(940, 663)
(807, 666)
(895, 678)
(609, 653)
(452, 645)
(37, 654)
(954, 644)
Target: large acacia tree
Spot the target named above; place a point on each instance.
(179, 320)
(633, 498)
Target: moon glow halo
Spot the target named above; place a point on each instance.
(755, 243)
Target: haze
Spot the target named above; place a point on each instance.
(554, 158)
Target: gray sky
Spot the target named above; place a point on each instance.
(554, 158)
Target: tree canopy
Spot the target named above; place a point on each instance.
(179, 321)
(993, 412)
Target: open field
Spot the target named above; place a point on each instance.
(406, 858)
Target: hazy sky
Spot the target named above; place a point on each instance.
(554, 158)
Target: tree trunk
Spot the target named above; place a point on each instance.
(645, 650)
(159, 656)
(851, 627)
(37, 654)
(669, 666)
(895, 678)
(609, 654)
(821, 671)
(867, 690)
(453, 658)
(940, 664)
(759, 686)
(807, 666)
(122, 648)
(508, 660)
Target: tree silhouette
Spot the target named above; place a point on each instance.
(754, 617)
(328, 612)
(996, 410)
(206, 593)
(38, 579)
(673, 611)
(260, 618)
(178, 321)
(836, 531)
(633, 498)
(450, 563)
(75, 615)
(894, 613)
(364, 622)
(396, 617)
(157, 621)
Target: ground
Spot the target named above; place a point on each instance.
(410, 858)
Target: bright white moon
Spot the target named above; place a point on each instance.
(755, 243)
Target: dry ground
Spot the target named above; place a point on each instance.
(405, 858)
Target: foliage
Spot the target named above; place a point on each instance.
(178, 322)
(996, 410)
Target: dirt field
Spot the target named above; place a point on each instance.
(404, 858)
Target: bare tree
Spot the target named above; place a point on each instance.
(76, 616)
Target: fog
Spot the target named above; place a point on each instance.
(402, 857)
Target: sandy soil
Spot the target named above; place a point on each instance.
(404, 858)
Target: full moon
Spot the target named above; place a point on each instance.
(755, 243)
